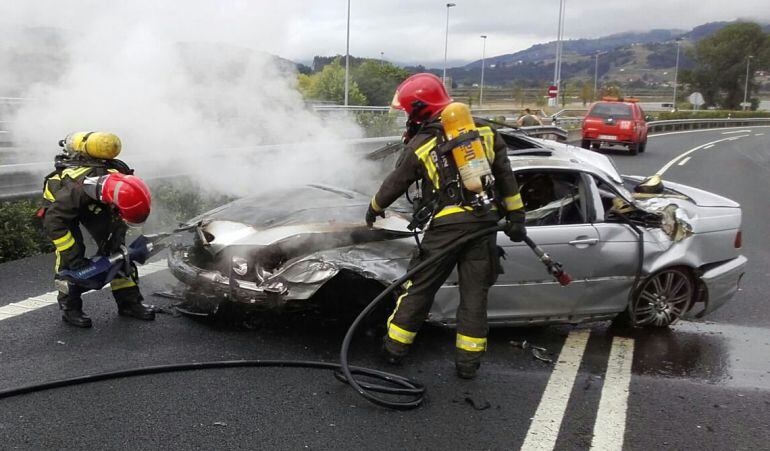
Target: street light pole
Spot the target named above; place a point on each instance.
(446, 40)
(676, 71)
(347, 59)
(557, 59)
(596, 74)
(483, 56)
(746, 89)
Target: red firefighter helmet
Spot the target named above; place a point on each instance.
(422, 96)
(128, 194)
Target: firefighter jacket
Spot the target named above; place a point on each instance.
(67, 206)
(419, 163)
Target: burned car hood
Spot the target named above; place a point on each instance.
(296, 213)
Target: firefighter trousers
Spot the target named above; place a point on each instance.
(477, 268)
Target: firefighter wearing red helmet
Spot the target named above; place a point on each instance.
(91, 188)
(447, 210)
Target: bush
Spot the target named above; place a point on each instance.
(21, 232)
(178, 200)
(377, 124)
(709, 114)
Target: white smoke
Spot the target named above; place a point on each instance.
(186, 86)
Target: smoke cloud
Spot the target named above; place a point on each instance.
(186, 86)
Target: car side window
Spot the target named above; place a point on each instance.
(552, 197)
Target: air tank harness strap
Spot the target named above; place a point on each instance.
(447, 146)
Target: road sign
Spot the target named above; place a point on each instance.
(696, 99)
(745, 104)
(553, 91)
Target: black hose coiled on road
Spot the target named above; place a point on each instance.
(401, 386)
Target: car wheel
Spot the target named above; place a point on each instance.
(643, 146)
(634, 148)
(662, 298)
(586, 144)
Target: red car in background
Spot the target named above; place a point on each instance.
(615, 121)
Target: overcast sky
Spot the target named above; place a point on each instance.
(407, 31)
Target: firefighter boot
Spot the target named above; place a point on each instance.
(135, 309)
(467, 363)
(72, 312)
(393, 352)
(467, 370)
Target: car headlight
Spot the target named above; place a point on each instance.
(240, 266)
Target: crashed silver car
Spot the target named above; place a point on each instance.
(649, 252)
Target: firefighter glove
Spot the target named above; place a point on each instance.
(514, 226)
(371, 215)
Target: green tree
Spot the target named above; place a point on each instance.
(329, 85)
(720, 72)
(378, 80)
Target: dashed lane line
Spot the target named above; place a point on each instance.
(610, 425)
(736, 131)
(687, 153)
(44, 300)
(546, 423)
(684, 162)
(759, 134)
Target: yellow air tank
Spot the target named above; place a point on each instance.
(102, 145)
(470, 157)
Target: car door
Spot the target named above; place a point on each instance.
(526, 291)
(617, 249)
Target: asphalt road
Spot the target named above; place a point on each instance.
(700, 385)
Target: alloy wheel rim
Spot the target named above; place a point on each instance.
(663, 299)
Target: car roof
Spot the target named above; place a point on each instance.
(555, 155)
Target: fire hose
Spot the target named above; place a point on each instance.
(404, 393)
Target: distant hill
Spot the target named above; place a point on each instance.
(639, 59)
(540, 52)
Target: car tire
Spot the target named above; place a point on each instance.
(661, 299)
(643, 146)
(586, 144)
(633, 148)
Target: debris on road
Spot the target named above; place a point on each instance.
(478, 404)
(537, 352)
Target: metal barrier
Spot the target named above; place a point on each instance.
(699, 124)
(23, 180)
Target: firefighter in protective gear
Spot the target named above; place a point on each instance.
(423, 97)
(105, 197)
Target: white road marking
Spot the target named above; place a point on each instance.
(685, 154)
(736, 131)
(684, 162)
(759, 134)
(708, 147)
(46, 299)
(700, 130)
(545, 425)
(610, 425)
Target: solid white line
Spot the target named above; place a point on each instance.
(700, 130)
(610, 425)
(679, 157)
(684, 162)
(545, 425)
(708, 147)
(736, 131)
(44, 300)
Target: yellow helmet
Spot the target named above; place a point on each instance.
(102, 145)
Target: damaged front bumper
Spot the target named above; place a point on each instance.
(208, 288)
